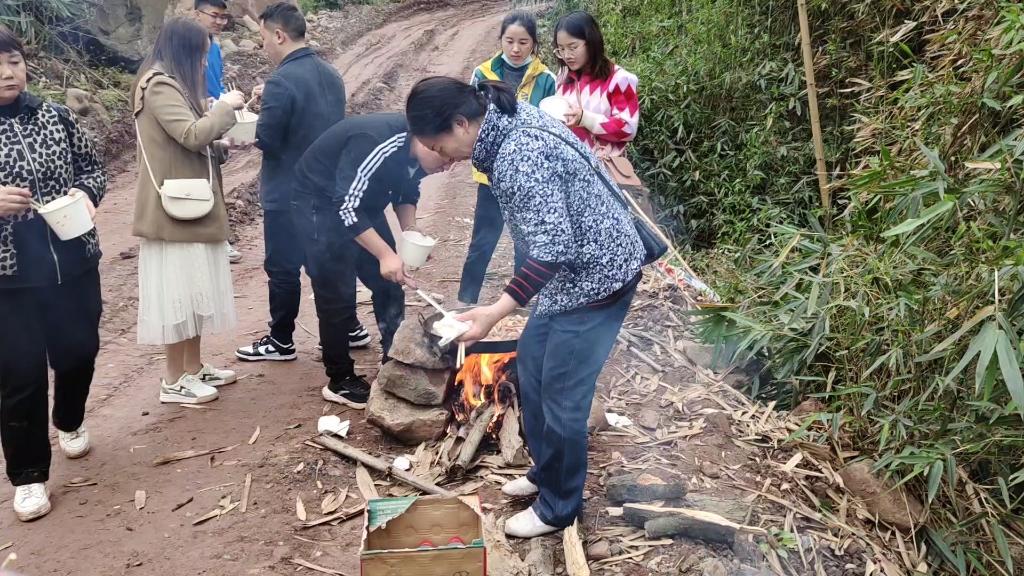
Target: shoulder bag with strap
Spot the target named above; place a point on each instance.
(182, 198)
(620, 168)
(654, 246)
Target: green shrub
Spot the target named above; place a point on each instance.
(30, 18)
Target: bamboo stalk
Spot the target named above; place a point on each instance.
(335, 445)
(812, 105)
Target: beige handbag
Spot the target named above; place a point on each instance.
(619, 167)
(183, 198)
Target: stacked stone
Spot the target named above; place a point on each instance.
(407, 399)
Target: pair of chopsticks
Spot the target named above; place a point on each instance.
(238, 113)
(35, 205)
(460, 356)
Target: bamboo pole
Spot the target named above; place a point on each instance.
(812, 105)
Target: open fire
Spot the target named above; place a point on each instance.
(485, 379)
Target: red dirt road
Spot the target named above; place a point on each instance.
(96, 529)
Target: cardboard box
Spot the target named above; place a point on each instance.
(394, 529)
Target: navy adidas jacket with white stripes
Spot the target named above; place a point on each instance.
(359, 166)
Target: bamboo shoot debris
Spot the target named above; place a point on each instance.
(478, 423)
(575, 557)
(510, 441)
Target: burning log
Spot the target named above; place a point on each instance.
(479, 423)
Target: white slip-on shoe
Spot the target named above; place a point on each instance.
(527, 524)
(215, 377)
(187, 390)
(31, 502)
(74, 444)
(520, 488)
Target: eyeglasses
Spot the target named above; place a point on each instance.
(216, 17)
(570, 51)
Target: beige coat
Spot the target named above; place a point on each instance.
(177, 142)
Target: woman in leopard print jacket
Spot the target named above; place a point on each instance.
(50, 300)
(583, 259)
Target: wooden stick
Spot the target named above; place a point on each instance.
(336, 517)
(335, 445)
(575, 557)
(812, 105)
(478, 424)
(245, 492)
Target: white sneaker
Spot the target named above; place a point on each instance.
(74, 444)
(187, 390)
(520, 488)
(214, 377)
(31, 502)
(526, 524)
(234, 256)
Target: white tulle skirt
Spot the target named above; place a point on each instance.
(184, 291)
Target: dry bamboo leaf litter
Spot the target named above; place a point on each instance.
(365, 483)
(255, 435)
(316, 568)
(140, 499)
(300, 508)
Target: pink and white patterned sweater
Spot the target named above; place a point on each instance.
(611, 108)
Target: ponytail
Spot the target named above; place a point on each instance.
(435, 104)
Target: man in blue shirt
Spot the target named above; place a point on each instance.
(213, 15)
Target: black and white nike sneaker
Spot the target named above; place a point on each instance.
(358, 338)
(266, 348)
(352, 392)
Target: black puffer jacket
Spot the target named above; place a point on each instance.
(42, 148)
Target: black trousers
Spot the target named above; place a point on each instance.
(487, 226)
(333, 262)
(283, 260)
(56, 326)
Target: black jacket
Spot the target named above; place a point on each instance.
(42, 148)
(304, 97)
(359, 166)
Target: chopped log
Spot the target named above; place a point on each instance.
(642, 488)
(335, 445)
(478, 423)
(511, 442)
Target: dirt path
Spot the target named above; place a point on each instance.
(96, 530)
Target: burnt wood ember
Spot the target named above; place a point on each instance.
(478, 425)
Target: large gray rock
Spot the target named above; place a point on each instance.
(407, 422)
(417, 385)
(412, 345)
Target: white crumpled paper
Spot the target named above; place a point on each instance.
(448, 328)
(333, 425)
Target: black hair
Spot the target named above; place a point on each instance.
(212, 4)
(10, 42)
(180, 51)
(436, 103)
(582, 25)
(524, 19)
(286, 17)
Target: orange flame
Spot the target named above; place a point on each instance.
(479, 381)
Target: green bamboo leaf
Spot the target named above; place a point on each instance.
(987, 336)
(933, 211)
(1003, 545)
(981, 315)
(934, 479)
(1010, 369)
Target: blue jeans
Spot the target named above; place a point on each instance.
(487, 226)
(558, 360)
